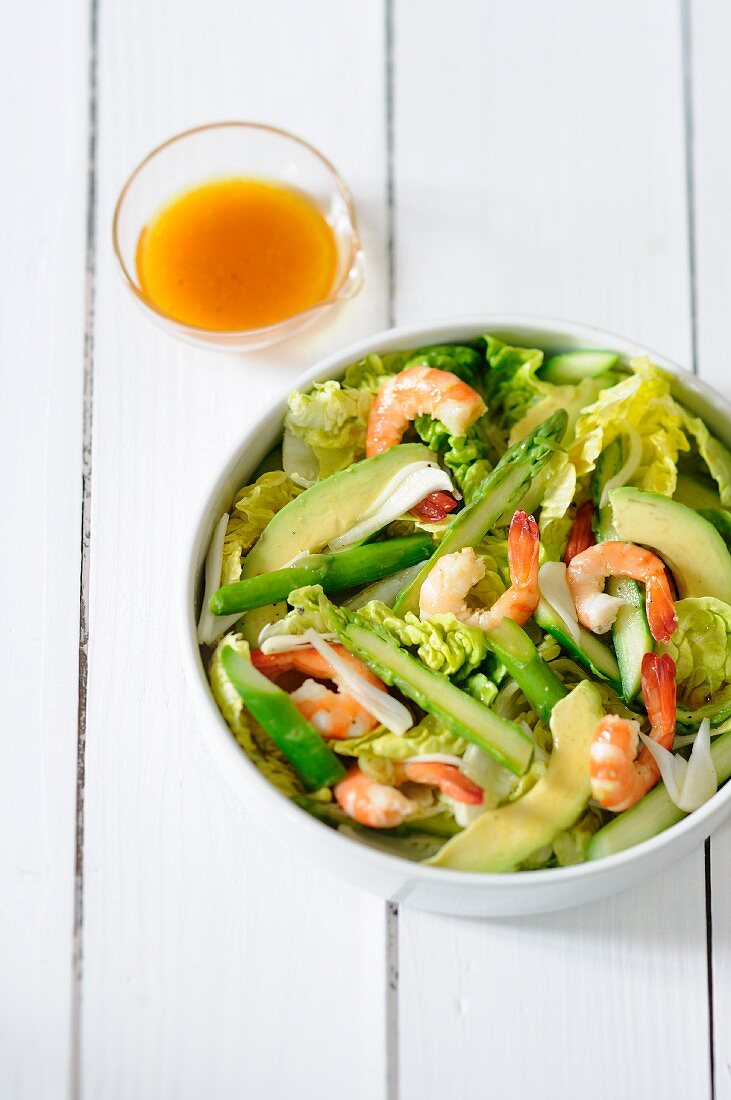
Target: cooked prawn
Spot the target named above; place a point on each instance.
(382, 806)
(581, 536)
(619, 777)
(588, 571)
(413, 392)
(334, 714)
(446, 587)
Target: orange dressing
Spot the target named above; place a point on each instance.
(236, 254)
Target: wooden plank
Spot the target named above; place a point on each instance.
(539, 153)
(43, 66)
(216, 962)
(709, 28)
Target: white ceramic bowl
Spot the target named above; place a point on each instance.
(433, 888)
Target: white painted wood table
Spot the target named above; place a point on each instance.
(560, 157)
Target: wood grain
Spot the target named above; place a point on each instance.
(42, 242)
(536, 160)
(216, 962)
(544, 171)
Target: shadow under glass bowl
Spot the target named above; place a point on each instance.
(251, 150)
(438, 889)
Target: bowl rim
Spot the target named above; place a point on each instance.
(353, 260)
(212, 722)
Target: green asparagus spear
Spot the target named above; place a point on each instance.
(537, 680)
(464, 716)
(501, 491)
(346, 569)
(273, 709)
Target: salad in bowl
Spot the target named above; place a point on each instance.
(475, 609)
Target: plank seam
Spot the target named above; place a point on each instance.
(709, 965)
(687, 71)
(392, 976)
(86, 466)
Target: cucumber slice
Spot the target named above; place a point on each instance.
(630, 634)
(574, 366)
(631, 631)
(654, 813)
(589, 651)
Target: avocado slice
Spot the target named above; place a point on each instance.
(327, 509)
(688, 543)
(502, 839)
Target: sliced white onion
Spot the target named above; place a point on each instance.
(496, 782)
(403, 491)
(285, 643)
(299, 461)
(691, 782)
(555, 590)
(436, 758)
(467, 812)
(210, 626)
(627, 468)
(388, 711)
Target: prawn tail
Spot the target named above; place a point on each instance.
(659, 693)
(523, 550)
(271, 665)
(449, 779)
(581, 536)
(462, 789)
(660, 608)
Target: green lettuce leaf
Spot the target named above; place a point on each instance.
(492, 550)
(701, 649)
(570, 846)
(716, 457)
(469, 458)
(554, 538)
(572, 398)
(644, 401)
(511, 382)
(480, 687)
(296, 621)
(370, 372)
(330, 420)
(254, 506)
(442, 642)
(427, 736)
(257, 745)
(466, 362)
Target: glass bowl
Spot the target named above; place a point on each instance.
(238, 149)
